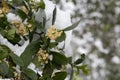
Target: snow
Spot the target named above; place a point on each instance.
(11, 17)
(99, 45)
(5, 79)
(96, 61)
(67, 6)
(115, 59)
(117, 29)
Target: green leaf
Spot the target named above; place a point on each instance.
(46, 43)
(83, 68)
(85, 71)
(36, 62)
(53, 44)
(10, 34)
(30, 50)
(10, 73)
(25, 77)
(60, 76)
(30, 73)
(70, 60)
(74, 1)
(44, 20)
(2, 32)
(31, 34)
(15, 40)
(4, 51)
(72, 26)
(21, 14)
(56, 66)
(3, 54)
(80, 60)
(17, 2)
(32, 21)
(59, 58)
(17, 60)
(54, 15)
(48, 70)
(3, 22)
(3, 68)
(42, 4)
(62, 37)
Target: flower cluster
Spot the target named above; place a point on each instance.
(53, 33)
(5, 8)
(21, 29)
(24, 9)
(43, 56)
(1, 13)
(17, 75)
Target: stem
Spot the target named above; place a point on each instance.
(71, 75)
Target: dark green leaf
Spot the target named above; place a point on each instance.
(53, 44)
(3, 22)
(31, 74)
(72, 26)
(48, 70)
(3, 68)
(54, 15)
(46, 43)
(21, 14)
(44, 20)
(30, 50)
(59, 58)
(80, 60)
(10, 73)
(56, 66)
(42, 4)
(45, 77)
(3, 54)
(70, 60)
(74, 1)
(10, 34)
(25, 77)
(17, 60)
(2, 32)
(15, 40)
(31, 34)
(17, 2)
(4, 51)
(36, 62)
(60, 76)
(62, 37)
(83, 56)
